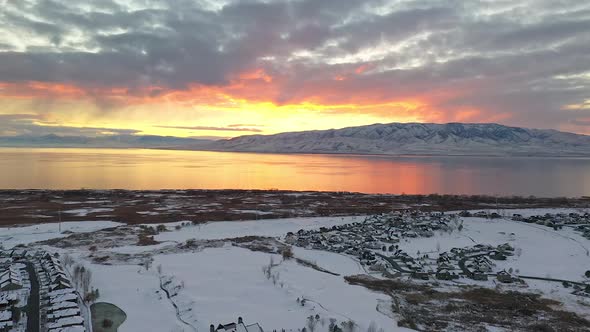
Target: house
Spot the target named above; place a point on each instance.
(63, 313)
(7, 300)
(60, 284)
(506, 248)
(480, 214)
(239, 327)
(66, 322)
(11, 279)
(464, 214)
(498, 256)
(75, 328)
(505, 277)
(56, 306)
(18, 253)
(6, 320)
(445, 274)
(420, 275)
(479, 276)
(5, 316)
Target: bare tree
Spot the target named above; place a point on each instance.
(287, 253)
(68, 260)
(86, 278)
(348, 326)
(372, 327)
(311, 323)
(147, 262)
(332, 324)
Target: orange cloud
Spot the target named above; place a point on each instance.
(362, 68)
(258, 92)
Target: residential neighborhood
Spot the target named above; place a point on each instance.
(375, 243)
(37, 294)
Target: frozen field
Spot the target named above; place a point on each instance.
(265, 227)
(223, 283)
(216, 285)
(12, 236)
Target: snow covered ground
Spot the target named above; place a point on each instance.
(12, 236)
(87, 211)
(266, 227)
(220, 284)
(136, 292)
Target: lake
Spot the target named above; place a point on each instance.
(167, 169)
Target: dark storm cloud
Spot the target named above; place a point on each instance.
(527, 58)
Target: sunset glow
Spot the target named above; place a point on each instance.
(263, 68)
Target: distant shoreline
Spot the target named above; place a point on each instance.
(359, 154)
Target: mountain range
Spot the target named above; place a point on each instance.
(384, 139)
(417, 139)
(110, 141)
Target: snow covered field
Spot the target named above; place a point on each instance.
(221, 284)
(216, 285)
(12, 236)
(265, 227)
(137, 293)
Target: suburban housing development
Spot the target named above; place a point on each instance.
(37, 294)
(417, 268)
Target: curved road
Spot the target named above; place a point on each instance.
(33, 303)
(393, 263)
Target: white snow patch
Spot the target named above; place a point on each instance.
(12, 236)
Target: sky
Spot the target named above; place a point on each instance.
(208, 68)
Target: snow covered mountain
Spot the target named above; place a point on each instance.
(417, 138)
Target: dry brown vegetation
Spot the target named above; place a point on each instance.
(424, 308)
(140, 207)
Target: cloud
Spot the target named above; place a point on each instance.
(207, 128)
(519, 62)
(33, 125)
(583, 122)
(244, 125)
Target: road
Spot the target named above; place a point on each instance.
(393, 263)
(33, 303)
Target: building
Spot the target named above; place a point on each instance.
(505, 277)
(11, 279)
(237, 327)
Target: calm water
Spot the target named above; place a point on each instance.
(157, 169)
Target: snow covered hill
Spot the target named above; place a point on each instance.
(417, 138)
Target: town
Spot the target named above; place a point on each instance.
(50, 274)
(375, 242)
(37, 294)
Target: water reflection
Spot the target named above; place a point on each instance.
(162, 169)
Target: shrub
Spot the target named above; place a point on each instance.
(106, 323)
(287, 253)
(146, 240)
(15, 314)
